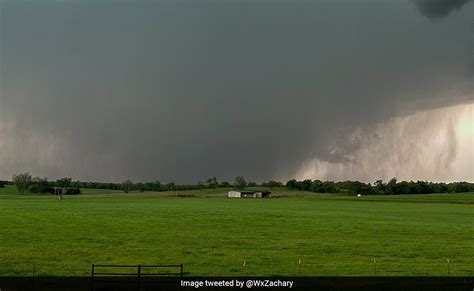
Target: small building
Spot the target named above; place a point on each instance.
(249, 194)
(234, 194)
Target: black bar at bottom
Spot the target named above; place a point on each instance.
(237, 283)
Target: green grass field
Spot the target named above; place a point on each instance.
(330, 234)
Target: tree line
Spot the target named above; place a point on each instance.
(24, 182)
(392, 187)
(210, 183)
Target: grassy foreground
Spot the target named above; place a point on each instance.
(328, 234)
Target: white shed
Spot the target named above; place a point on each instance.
(249, 194)
(233, 194)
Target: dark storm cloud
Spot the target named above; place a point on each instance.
(184, 90)
(439, 8)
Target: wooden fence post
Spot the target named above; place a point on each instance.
(92, 277)
(139, 275)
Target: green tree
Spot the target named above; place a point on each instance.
(140, 187)
(39, 185)
(306, 185)
(272, 184)
(379, 187)
(391, 187)
(225, 184)
(291, 184)
(63, 183)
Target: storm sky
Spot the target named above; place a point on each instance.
(184, 90)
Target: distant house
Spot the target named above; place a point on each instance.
(249, 194)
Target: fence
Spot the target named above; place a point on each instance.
(132, 274)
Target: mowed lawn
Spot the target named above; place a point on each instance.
(328, 234)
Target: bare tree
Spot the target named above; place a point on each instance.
(22, 182)
(200, 185)
(212, 183)
(127, 186)
(240, 183)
